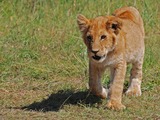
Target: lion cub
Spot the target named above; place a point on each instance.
(114, 41)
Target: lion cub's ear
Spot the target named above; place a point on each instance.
(83, 22)
(115, 25)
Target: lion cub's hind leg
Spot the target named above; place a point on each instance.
(135, 80)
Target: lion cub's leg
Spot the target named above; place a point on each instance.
(95, 86)
(135, 80)
(116, 87)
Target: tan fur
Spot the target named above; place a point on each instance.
(114, 41)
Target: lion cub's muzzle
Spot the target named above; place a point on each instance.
(97, 57)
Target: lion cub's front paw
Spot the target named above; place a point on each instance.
(115, 105)
(104, 93)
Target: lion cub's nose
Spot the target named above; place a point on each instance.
(95, 51)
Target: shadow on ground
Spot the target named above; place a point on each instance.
(56, 101)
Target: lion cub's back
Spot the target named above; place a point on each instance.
(132, 14)
(134, 30)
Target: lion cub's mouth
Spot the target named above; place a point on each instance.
(98, 57)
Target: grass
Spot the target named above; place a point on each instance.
(43, 61)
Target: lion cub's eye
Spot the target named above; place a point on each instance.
(89, 38)
(103, 37)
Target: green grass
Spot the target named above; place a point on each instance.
(43, 61)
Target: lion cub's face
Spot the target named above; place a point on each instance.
(100, 35)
